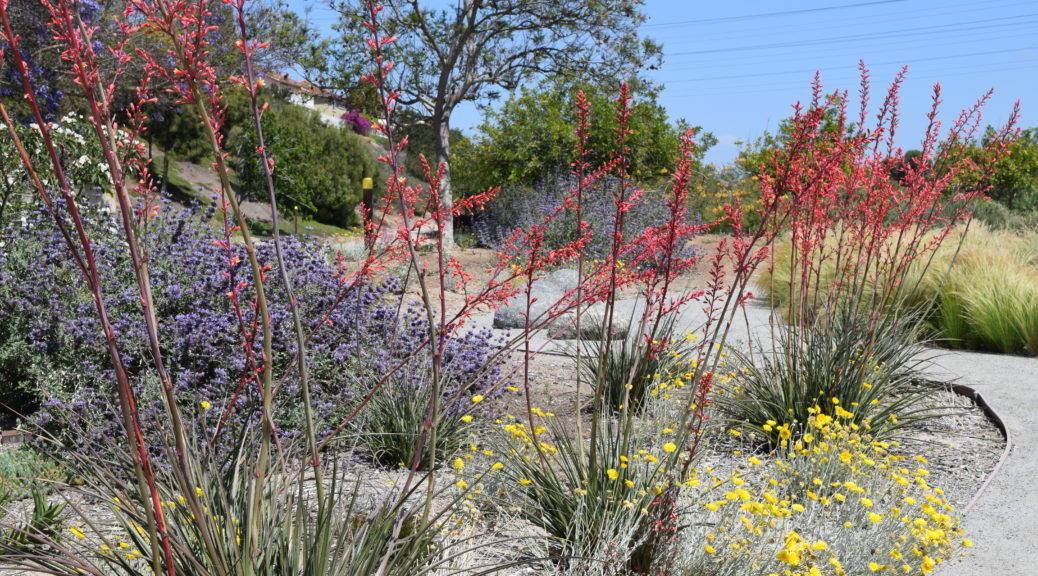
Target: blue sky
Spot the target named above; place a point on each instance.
(735, 68)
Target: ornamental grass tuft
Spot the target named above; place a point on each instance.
(846, 364)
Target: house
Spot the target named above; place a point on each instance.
(304, 93)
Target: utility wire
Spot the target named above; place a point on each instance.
(761, 15)
(988, 23)
(806, 26)
(869, 64)
(844, 77)
(855, 53)
(765, 89)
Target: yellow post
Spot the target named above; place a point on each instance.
(368, 185)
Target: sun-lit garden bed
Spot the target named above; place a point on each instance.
(624, 380)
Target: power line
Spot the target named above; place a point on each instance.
(797, 55)
(931, 75)
(770, 14)
(918, 30)
(843, 77)
(802, 70)
(801, 26)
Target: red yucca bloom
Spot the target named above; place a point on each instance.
(853, 204)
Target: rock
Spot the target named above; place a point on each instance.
(547, 292)
(561, 280)
(565, 328)
(513, 315)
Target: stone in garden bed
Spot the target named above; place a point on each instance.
(547, 292)
(565, 328)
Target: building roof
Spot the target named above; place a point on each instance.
(298, 86)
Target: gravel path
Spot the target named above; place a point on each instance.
(1004, 523)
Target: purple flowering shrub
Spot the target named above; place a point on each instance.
(357, 122)
(523, 207)
(52, 349)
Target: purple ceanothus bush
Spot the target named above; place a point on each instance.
(520, 207)
(52, 348)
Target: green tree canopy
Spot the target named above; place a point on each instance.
(1014, 182)
(531, 137)
(470, 50)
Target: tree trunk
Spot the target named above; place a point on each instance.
(443, 157)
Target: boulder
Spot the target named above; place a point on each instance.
(547, 292)
(565, 328)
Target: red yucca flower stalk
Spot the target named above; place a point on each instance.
(75, 38)
(649, 260)
(849, 209)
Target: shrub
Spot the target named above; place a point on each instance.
(531, 137)
(76, 146)
(840, 503)
(357, 122)
(23, 471)
(519, 208)
(50, 352)
(320, 168)
(1014, 180)
(841, 364)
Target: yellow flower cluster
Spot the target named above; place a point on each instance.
(877, 512)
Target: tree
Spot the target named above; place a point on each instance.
(530, 139)
(475, 48)
(1014, 182)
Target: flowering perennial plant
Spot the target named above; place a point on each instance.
(611, 490)
(833, 502)
(856, 218)
(51, 330)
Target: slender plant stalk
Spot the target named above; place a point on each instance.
(252, 87)
(148, 489)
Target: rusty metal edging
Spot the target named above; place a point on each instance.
(994, 418)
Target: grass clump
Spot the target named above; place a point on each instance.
(982, 296)
(631, 367)
(396, 417)
(990, 298)
(848, 365)
(593, 504)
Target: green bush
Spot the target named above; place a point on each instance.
(1014, 182)
(531, 138)
(998, 217)
(178, 131)
(319, 168)
(23, 471)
